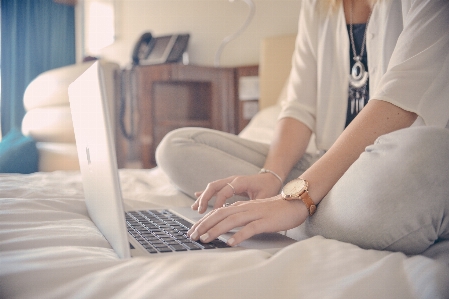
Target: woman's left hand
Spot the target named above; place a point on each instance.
(256, 216)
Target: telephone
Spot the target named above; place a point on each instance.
(156, 50)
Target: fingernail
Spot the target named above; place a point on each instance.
(231, 241)
(194, 236)
(204, 237)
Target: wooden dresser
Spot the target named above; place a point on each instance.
(171, 96)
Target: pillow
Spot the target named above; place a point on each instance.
(49, 124)
(18, 153)
(50, 87)
(261, 127)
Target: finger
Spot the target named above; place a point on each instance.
(249, 230)
(202, 201)
(225, 193)
(238, 203)
(237, 186)
(222, 221)
(211, 190)
(249, 214)
(195, 225)
(200, 227)
(235, 204)
(191, 232)
(195, 205)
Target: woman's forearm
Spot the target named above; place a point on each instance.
(290, 143)
(376, 119)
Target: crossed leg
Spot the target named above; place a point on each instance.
(394, 197)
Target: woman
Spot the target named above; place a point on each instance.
(383, 181)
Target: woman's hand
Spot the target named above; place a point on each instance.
(253, 186)
(257, 216)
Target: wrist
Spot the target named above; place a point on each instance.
(298, 207)
(274, 174)
(298, 190)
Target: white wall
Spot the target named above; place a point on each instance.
(208, 22)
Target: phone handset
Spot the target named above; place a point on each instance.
(161, 49)
(142, 48)
(149, 50)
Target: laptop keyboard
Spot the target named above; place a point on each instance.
(160, 231)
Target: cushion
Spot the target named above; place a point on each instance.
(18, 153)
(50, 87)
(261, 126)
(49, 124)
(57, 156)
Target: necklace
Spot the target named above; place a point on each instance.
(358, 91)
(359, 75)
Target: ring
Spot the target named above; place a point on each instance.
(226, 204)
(233, 190)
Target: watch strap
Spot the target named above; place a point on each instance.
(304, 196)
(307, 200)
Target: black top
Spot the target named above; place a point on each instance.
(358, 33)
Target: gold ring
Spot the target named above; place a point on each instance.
(233, 190)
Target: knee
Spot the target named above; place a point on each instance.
(421, 145)
(163, 150)
(417, 153)
(394, 196)
(170, 149)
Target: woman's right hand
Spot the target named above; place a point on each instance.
(255, 186)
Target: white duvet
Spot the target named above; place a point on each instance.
(49, 248)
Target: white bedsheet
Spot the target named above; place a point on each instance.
(49, 248)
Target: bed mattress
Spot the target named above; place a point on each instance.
(49, 248)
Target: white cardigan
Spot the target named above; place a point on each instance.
(408, 62)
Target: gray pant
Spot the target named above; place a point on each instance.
(394, 197)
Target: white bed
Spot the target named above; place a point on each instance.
(49, 248)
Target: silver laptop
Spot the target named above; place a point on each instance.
(131, 233)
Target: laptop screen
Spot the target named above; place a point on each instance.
(97, 157)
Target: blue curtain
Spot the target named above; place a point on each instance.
(36, 36)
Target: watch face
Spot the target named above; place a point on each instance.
(294, 188)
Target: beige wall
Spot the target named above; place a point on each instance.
(208, 22)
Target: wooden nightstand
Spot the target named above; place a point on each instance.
(172, 96)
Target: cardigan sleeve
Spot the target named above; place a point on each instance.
(301, 98)
(417, 77)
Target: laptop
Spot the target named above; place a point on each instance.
(131, 233)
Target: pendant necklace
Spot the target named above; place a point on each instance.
(358, 77)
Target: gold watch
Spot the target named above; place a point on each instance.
(298, 189)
